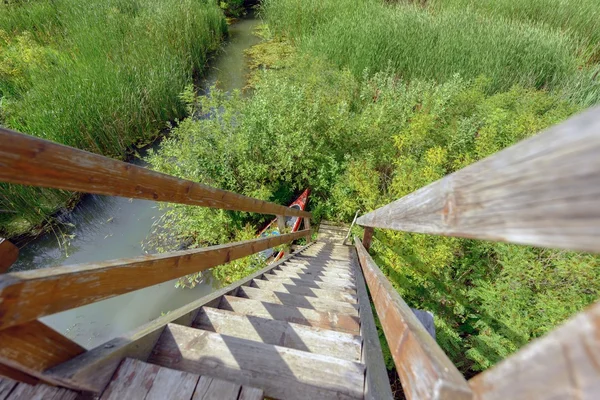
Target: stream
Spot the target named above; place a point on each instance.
(105, 228)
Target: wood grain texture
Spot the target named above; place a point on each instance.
(343, 286)
(298, 315)
(377, 384)
(132, 381)
(8, 255)
(305, 291)
(319, 272)
(16, 375)
(34, 347)
(543, 191)
(250, 393)
(92, 370)
(170, 384)
(25, 296)
(216, 389)
(565, 364)
(344, 282)
(297, 300)
(6, 386)
(425, 370)
(32, 161)
(280, 333)
(281, 372)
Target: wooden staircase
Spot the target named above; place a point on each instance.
(302, 328)
(292, 332)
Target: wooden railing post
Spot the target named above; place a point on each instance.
(367, 238)
(281, 224)
(8, 254)
(307, 227)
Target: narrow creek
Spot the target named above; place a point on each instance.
(104, 228)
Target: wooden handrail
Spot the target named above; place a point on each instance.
(33, 161)
(565, 364)
(8, 254)
(542, 191)
(25, 296)
(425, 370)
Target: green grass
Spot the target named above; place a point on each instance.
(432, 43)
(99, 75)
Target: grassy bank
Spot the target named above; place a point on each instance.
(374, 100)
(97, 75)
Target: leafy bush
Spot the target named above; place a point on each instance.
(360, 143)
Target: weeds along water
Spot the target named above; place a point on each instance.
(98, 75)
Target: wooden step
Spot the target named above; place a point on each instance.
(341, 270)
(339, 286)
(280, 372)
(309, 277)
(11, 390)
(305, 291)
(298, 315)
(323, 262)
(300, 337)
(317, 272)
(297, 300)
(136, 379)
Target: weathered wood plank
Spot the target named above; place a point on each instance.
(303, 316)
(565, 364)
(425, 370)
(8, 255)
(250, 393)
(33, 161)
(345, 286)
(34, 347)
(377, 384)
(306, 220)
(343, 269)
(22, 391)
(295, 336)
(279, 371)
(6, 387)
(305, 291)
(25, 296)
(16, 375)
(314, 278)
(542, 191)
(170, 384)
(320, 273)
(92, 370)
(216, 389)
(132, 381)
(297, 300)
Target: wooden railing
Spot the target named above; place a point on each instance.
(28, 347)
(543, 191)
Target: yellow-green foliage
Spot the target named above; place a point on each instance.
(361, 143)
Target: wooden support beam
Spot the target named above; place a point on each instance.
(367, 238)
(425, 370)
(281, 224)
(33, 347)
(92, 370)
(16, 375)
(542, 191)
(28, 295)
(28, 160)
(565, 364)
(307, 227)
(8, 255)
